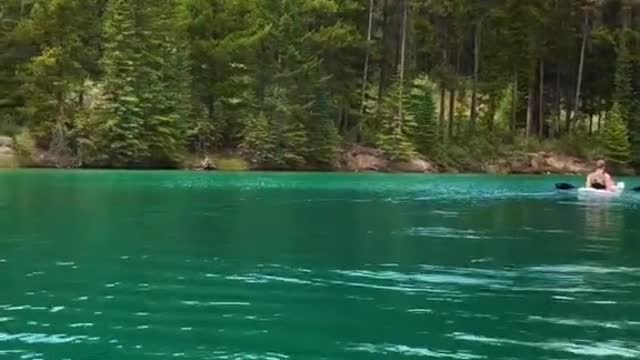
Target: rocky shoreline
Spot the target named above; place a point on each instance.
(362, 159)
(358, 159)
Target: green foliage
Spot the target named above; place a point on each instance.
(8, 126)
(259, 143)
(293, 146)
(324, 140)
(231, 164)
(120, 116)
(15, 51)
(397, 125)
(423, 110)
(578, 144)
(623, 81)
(49, 88)
(615, 138)
(142, 114)
(133, 83)
(203, 135)
(52, 80)
(504, 113)
(25, 147)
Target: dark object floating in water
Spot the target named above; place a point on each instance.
(564, 186)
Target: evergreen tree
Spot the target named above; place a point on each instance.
(623, 80)
(48, 89)
(119, 122)
(293, 145)
(291, 137)
(16, 50)
(505, 107)
(225, 38)
(615, 138)
(166, 81)
(259, 143)
(423, 110)
(634, 129)
(54, 79)
(324, 140)
(276, 139)
(197, 72)
(141, 118)
(394, 138)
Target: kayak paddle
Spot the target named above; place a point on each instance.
(564, 186)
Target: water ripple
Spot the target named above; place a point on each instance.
(585, 348)
(45, 338)
(390, 350)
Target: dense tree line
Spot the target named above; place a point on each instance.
(132, 83)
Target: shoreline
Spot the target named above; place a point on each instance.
(354, 158)
(289, 171)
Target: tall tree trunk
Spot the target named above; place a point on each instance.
(530, 107)
(491, 113)
(585, 34)
(383, 61)
(476, 69)
(590, 124)
(403, 47)
(365, 72)
(443, 104)
(558, 94)
(600, 117)
(541, 101)
(452, 111)
(514, 102)
(567, 115)
(452, 104)
(627, 13)
(210, 107)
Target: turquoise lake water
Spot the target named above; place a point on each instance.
(176, 265)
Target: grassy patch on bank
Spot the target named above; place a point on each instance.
(8, 162)
(473, 150)
(232, 163)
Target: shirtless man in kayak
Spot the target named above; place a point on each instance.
(600, 179)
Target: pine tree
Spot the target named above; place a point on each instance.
(282, 134)
(15, 52)
(634, 129)
(293, 145)
(394, 138)
(615, 138)
(324, 140)
(47, 90)
(504, 113)
(423, 110)
(623, 80)
(120, 118)
(166, 81)
(54, 79)
(291, 137)
(259, 143)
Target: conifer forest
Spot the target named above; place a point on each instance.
(291, 84)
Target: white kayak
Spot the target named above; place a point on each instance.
(602, 193)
